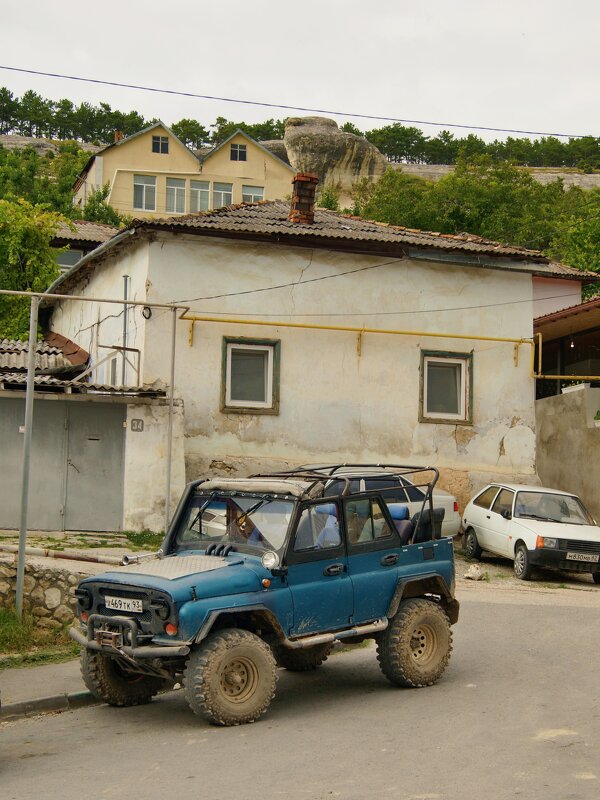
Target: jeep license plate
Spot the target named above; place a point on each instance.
(591, 558)
(124, 604)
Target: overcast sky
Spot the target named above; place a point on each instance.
(523, 64)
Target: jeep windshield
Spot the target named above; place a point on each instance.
(245, 522)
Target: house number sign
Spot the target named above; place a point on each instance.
(137, 425)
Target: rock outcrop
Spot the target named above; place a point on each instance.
(317, 145)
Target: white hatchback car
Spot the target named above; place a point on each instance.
(533, 526)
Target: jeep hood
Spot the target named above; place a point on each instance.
(210, 576)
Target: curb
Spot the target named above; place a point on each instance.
(57, 702)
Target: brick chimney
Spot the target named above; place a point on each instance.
(303, 198)
(118, 136)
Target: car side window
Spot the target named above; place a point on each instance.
(365, 521)
(415, 495)
(318, 528)
(394, 492)
(484, 500)
(504, 501)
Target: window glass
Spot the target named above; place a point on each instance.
(144, 192)
(503, 502)
(175, 200)
(338, 485)
(445, 386)
(249, 377)
(238, 152)
(199, 196)
(415, 495)
(485, 498)
(365, 521)
(222, 194)
(394, 494)
(252, 194)
(318, 528)
(160, 144)
(68, 258)
(552, 507)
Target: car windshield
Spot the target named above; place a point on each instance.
(552, 507)
(244, 522)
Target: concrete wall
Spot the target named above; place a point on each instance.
(550, 295)
(337, 405)
(568, 444)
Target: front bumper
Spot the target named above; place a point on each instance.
(119, 636)
(549, 557)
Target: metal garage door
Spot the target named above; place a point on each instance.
(76, 478)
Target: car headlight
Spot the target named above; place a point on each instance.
(270, 560)
(546, 541)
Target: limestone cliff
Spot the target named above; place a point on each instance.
(316, 144)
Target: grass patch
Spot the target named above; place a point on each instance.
(144, 540)
(24, 641)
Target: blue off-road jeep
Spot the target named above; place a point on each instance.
(272, 570)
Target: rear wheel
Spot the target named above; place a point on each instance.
(230, 678)
(109, 681)
(522, 565)
(415, 648)
(596, 577)
(471, 546)
(301, 660)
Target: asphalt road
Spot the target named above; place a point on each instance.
(517, 714)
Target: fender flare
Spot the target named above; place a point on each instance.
(258, 609)
(431, 583)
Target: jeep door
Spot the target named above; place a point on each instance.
(373, 554)
(318, 571)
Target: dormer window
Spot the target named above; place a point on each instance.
(160, 144)
(238, 152)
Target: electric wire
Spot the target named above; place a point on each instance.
(356, 115)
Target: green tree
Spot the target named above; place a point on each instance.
(27, 260)
(97, 209)
(9, 107)
(191, 132)
(350, 127)
(577, 238)
(329, 198)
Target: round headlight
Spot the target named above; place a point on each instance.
(270, 560)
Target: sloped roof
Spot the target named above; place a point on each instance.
(84, 231)
(575, 319)
(48, 358)
(260, 145)
(267, 221)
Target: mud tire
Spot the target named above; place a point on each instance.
(596, 577)
(302, 660)
(230, 678)
(415, 648)
(106, 680)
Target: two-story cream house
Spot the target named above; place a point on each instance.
(153, 174)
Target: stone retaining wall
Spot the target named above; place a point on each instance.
(48, 593)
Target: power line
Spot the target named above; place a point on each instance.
(289, 107)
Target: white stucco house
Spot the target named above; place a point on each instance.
(310, 336)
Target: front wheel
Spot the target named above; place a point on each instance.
(522, 564)
(107, 680)
(415, 648)
(230, 677)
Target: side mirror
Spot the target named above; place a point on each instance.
(506, 514)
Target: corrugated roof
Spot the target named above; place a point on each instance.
(268, 221)
(84, 231)
(19, 379)
(14, 356)
(570, 311)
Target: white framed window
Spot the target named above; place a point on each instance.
(199, 196)
(222, 194)
(160, 144)
(250, 381)
(238, 152)
(446, 386)
(144, 192)
(252, 194)
(175, 201)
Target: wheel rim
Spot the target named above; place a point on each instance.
(470, 544)
(423, 644)
(238, 679)
(519, 562)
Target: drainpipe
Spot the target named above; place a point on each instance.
(126, 280)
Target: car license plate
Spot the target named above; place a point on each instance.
(124, 604)
(592, 558)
